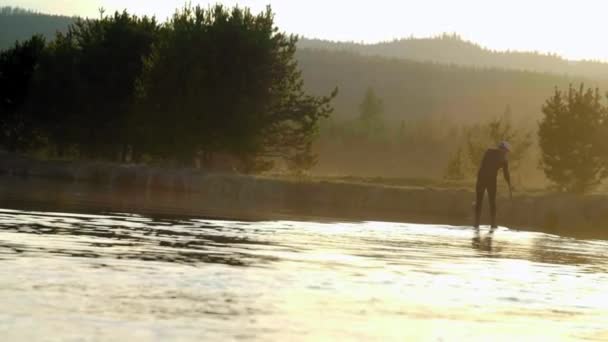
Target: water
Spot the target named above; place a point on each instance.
(128, 277)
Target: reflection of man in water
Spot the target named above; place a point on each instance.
(493, 160)
(484, 245)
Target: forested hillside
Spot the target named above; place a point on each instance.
(416, 89)
(451, 49)
(18, 24)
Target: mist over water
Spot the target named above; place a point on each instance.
(129, 277)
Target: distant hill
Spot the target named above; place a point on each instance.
(417, 89)
(17, 24)
(451, 49)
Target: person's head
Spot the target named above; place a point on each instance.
(504, 146)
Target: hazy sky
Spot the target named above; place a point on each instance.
(574, 29)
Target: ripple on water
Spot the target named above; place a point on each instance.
(118, 276)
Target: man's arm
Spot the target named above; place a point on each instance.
(505, 171)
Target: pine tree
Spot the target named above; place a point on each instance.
(226, 81)
(371, 113)
(17, 69)
(481, 137)
(572, 155)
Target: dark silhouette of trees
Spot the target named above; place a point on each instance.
(573, 150)
(86, 81)
(17, 68)
(210, 82)
(456, 84)
(220, 82)
(226, 82)
(85, 88)
(411, 88)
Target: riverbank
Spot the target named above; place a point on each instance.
(131, 188)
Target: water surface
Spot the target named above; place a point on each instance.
(129, 277)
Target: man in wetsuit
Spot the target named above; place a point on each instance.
(493, 160)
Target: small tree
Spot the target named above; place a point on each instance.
(479, 138)
(371, 113)
(572, 155)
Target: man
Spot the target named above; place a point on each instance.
(493, 160)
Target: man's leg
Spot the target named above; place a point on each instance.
(492, 199)
(480, 189)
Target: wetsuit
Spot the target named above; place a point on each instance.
(493, 160)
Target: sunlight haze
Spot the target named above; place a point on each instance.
(189, 170)
(575, 32)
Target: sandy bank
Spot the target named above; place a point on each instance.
(128, 188)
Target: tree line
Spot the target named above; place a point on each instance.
(572, 141)
(569, 146)
(217, 82)
(411, 91)
(209, 82)
(373, 144)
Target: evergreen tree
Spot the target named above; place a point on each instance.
(572, 152)
(17, 68)
(371, 114)
(478, 138)
(86, 83)
(226, 82)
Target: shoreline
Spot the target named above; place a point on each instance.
(104, 187)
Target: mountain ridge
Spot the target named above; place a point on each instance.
(452, 49)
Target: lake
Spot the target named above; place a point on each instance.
(113, 276)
